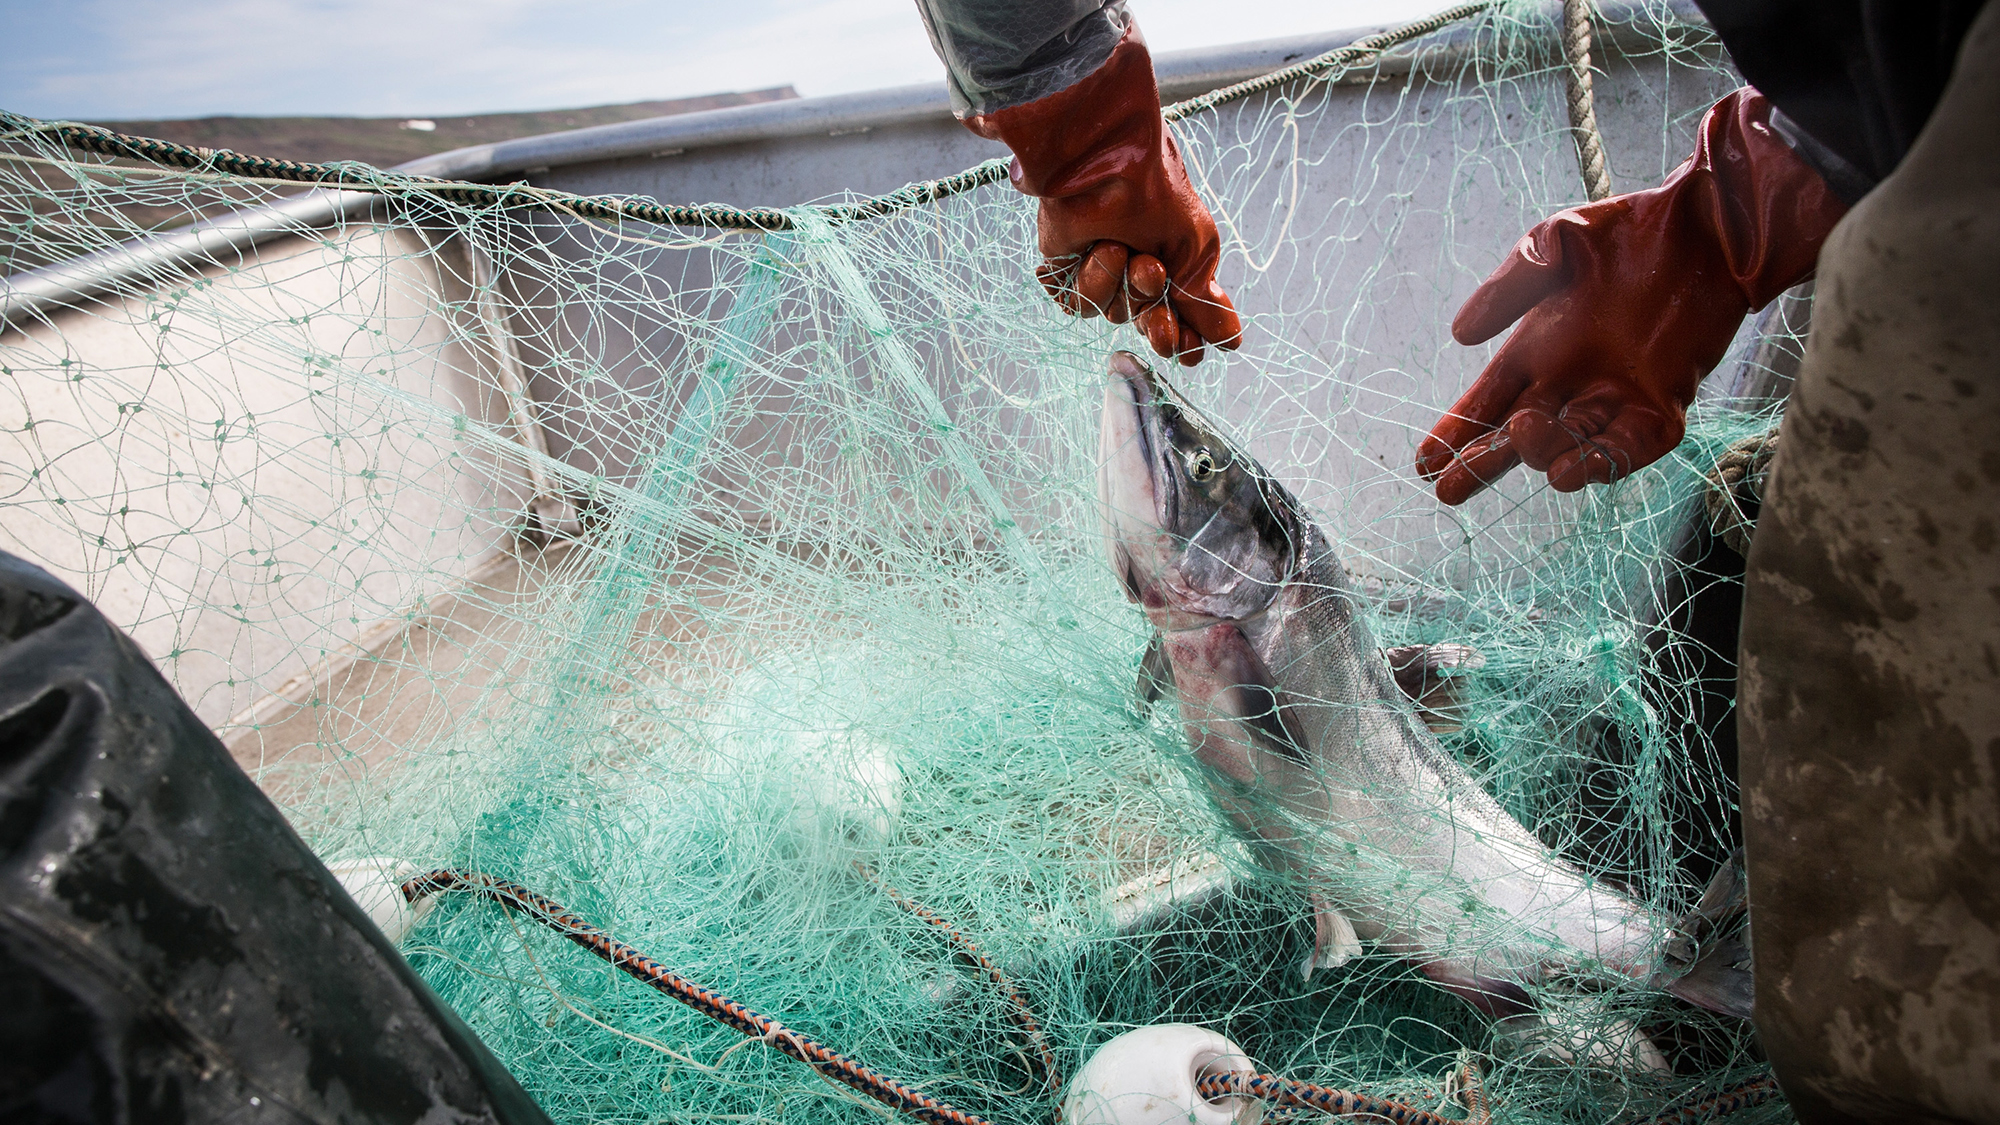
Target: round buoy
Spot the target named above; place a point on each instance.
(1147, 1077)
(375, 885)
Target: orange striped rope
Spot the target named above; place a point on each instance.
(1757, 1091)
(1022, 1016)
(804, 1048)
(1290, 1093)
(1285, 1093)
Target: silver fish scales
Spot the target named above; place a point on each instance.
(1318, 755)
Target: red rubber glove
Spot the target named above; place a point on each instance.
(1122, 232)
(1625, 305)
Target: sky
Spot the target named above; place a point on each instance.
(138, 59)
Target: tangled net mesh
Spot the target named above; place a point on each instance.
(670, 573)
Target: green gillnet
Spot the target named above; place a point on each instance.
(670, 573)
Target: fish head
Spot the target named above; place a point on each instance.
(1196, 529)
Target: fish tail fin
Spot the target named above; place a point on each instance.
(1708, 959)
(1721, 981)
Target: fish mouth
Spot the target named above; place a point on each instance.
(1128, 476)
(1185, 578)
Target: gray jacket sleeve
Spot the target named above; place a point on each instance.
(1004, 53)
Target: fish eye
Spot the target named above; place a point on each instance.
(1201, 465)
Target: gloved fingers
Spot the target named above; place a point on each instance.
(1590, 416)
(1120, 309)
(1591, 408)
(1189, 352)
(1160, 327)
(1636, 438)
(1532, 271)
(1481, 410)
(1055, 279)
(1146, 277)
(1208, 310)
(1141, 285)
(1153, 315)
(1475, 467)
(1549, 423)
(1590, 463)
(1050, 275)
(1594, 437)
(1100, 276)
(1540, 436)
(1434, 455)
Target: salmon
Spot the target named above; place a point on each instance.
(1314, 751)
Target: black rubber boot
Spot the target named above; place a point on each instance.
(170, 950)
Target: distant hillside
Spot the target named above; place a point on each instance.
(388, 141)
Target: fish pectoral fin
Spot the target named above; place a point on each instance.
(1334, 941)
(1262, 711)
(1156, 673)
(1252, 698)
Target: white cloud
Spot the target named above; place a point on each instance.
(144, 58)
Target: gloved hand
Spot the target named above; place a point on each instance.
(1122, 232)
(1624, 306)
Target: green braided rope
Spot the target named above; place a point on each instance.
(356, 176)
(1326, 67)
